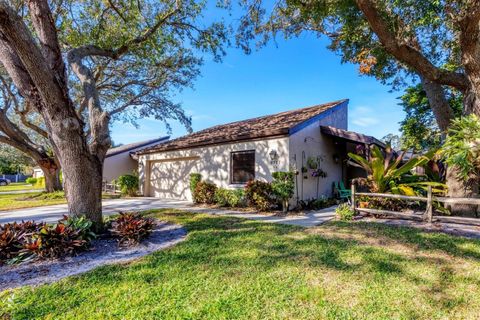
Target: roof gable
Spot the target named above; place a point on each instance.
(280, 124)
(132, 146)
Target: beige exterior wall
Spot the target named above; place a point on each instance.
(122, 163)
(166, 174)
(310, 142)
(170, 171)
(118, 165)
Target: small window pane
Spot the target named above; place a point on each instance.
(242, 166)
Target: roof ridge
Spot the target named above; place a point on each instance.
(280, 123)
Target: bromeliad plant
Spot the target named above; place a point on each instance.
(390, 174)
(25, 241)
(131, 228)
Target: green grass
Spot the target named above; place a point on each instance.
(231, 268)
(19, 187)
(30, 200)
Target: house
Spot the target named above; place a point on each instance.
(230, 155)
(119, 160)
(122, 160)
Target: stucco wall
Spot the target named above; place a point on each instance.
(122, 163)
(310, 142)
(118, 165)
(212, 162)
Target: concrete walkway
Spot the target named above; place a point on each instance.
(55, 212)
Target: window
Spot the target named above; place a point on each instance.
(242, 166)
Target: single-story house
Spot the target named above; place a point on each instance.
(122, 159)
(230, 155)
(119, 160)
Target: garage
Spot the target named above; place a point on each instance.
(170, 179)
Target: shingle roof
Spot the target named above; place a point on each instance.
(351, 136)
(267, 126)
(132, 146)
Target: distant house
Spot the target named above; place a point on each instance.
(119, 160)
(230, 155)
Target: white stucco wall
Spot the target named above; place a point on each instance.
(122, 163)
(212, 162)
(118, 165)
(310, 142)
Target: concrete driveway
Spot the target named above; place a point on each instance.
(54, 213)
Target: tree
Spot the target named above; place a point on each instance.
(394, 141)
(83, 64)
(13, 161)
(420, 131)
(21, 128)
(435, 43)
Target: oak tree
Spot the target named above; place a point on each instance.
(82, 64)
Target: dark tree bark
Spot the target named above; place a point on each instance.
(38, 71)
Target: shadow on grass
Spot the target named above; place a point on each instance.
(226, 247)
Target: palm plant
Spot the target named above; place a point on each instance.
(389, 174)
(462, 146)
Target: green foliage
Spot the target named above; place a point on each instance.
(40, 182)
(25, 241)
(315, 204)
(31, 180)
(153, 70)
(344, 212)
(131, 228)
(462, 146)
(128, 184)
(387, 174)
(419, 128)
(266, 271)
(195, 178)
(13, 161)
(283, 186)
(205, 192)
(229, 198)
(259, 194)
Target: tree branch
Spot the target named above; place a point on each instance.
(406, 51)
(44, 25)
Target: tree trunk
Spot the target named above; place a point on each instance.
(459, 188)
(83, 188)
(52, 179)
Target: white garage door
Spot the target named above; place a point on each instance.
(171, 179)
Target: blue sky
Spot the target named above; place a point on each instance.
(291, 74)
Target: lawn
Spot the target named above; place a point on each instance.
(19, 187)
(230, 268)
(30, 200)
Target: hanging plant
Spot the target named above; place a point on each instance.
(319, 173)
(312, 163)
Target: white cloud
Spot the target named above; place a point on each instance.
(365, 121)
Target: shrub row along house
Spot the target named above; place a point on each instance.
(312, 141)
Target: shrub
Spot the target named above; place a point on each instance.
(68, 236)
(29, 240)
(205, 192)
(195, 178)
(259, 194)
(40, 182)
(12, 238)
(316, 204)
(131, 228)
(229, 198)
(344, 212)
(283, 187)
(31, 180)
(128, 184)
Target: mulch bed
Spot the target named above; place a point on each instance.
(102, 252)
